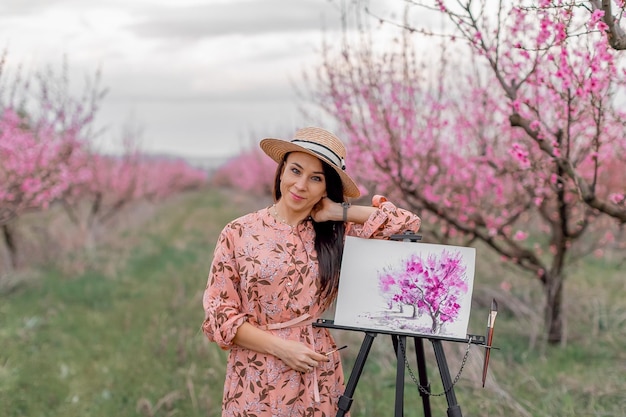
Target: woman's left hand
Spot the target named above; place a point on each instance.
(326, 210)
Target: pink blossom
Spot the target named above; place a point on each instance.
(596, 16)
(617, 198)
(520, 155)
(520, 235)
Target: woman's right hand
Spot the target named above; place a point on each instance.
(299, 357)
(296, 355)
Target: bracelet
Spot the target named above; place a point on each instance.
(345, 206)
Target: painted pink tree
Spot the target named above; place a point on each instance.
(439, 136)
(433, 286)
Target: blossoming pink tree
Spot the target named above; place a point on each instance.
(251, 171)
(109, 184)
(34, 169)
(444, 137)
(46, 157)
(42, 135)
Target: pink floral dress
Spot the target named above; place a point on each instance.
(266, 273)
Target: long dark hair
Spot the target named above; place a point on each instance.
(329, 236)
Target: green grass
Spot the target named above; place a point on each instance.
(123, 337)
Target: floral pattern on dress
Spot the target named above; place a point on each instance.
(266, 273)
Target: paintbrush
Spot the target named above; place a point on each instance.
(335, 350)
(490, 323)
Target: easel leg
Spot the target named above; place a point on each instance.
(423, 376)
(345, 401)
(399, 342)
(454, 410)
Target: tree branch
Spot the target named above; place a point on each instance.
(587, 194)
(615, 33)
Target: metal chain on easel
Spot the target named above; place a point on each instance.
(425, 390)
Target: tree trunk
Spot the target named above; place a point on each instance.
(553, 311)
(10, 255)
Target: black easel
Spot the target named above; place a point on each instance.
(400, 348)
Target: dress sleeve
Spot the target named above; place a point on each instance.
(387, 220)
(221, 300)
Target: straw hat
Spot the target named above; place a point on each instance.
(319, 143)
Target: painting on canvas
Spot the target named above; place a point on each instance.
(412, 288)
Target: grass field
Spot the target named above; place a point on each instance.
(122, 337)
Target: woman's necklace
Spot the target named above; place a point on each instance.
(280, 219)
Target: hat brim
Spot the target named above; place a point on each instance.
(278, 148)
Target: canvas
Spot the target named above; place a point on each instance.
(409, 288)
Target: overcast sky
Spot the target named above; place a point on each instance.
(198, 76)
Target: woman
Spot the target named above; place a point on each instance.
(276, 271)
